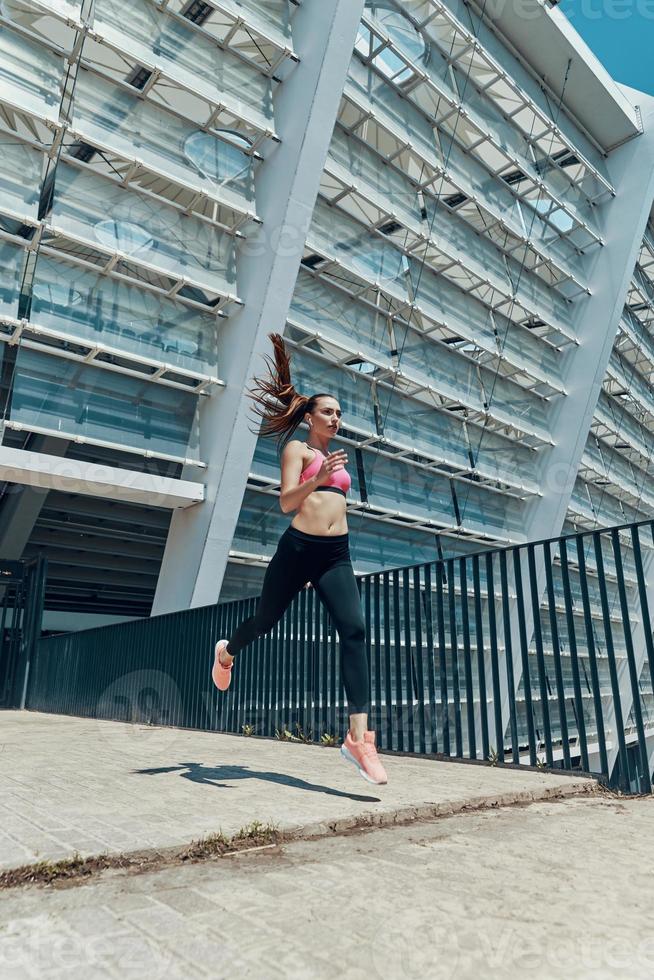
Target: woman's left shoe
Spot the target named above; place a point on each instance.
(364, 756)
(220, 674)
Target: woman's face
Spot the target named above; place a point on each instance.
(325, 420)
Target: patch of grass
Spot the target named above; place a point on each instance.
(206, 847)
(76, 869)
(248, 730)
(44, 872)
(257, 834)
(328, 739)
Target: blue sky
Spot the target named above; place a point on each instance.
(621, 34)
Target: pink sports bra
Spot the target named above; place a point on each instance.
(339, 482)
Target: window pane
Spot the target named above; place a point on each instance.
(83, 303)
(30, 75)
(102, 212)
(70, 398)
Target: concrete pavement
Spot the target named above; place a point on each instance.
(72, 785)
(551, 891)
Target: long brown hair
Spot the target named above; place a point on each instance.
(275, 398)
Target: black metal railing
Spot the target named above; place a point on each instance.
(538, 654)
(22, 585)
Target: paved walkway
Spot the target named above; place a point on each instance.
(70, 784)
(550, 891)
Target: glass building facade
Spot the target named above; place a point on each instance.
(458, 287)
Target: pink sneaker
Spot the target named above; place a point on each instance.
(220, 674)
(364, 756)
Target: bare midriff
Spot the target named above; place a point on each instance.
(321, 513)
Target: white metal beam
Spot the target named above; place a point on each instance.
(45, 472)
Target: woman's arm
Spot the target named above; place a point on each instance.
(292, 491)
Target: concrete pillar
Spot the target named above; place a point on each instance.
(306, 104)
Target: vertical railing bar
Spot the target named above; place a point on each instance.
(324, 677)
(378, 663)
(418, 657)
(397, 637)
(442, 664)
(623, 760)
(556, 653)
(481, 667)
(388, 681)
(366, 584)
(642, 594)
(467, 661)
(430, 664)
(495, 667)
(540, 656)
(524, 655)
(408, 660)
(592, 660)
(645, 781)
(574, 656)
(508, 648)
(454, 653)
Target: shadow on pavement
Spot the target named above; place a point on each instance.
(212, 776)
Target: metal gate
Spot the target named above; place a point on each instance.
(21, 609)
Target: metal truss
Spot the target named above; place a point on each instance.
(460, 46)
(396, 225)
(330, 267)
(441, 106)
(258, 39)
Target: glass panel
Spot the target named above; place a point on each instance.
(100, 211)
(135, 128)
(509, 275)
(152, 37)
(30, 75)
(357, 249)
(406, 122)
(83, 303)
(358, 161)
(67, 397)
(442, 302)
(426, 362)
(20, 178)
(11, 270)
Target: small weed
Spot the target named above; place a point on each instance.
(283, 734)
(248, 729)
(303, 736)
(493, 756)
(329, 739)
(206, 846)
(257, 833)
(541, 763)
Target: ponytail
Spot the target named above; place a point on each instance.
(275, 399)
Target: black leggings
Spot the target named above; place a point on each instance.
(323, 560)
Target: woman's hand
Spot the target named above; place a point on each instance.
(332, 462)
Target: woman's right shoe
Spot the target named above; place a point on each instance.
(364, 756)
(220, 674)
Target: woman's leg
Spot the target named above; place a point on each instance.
(285, 576)
(337, 588)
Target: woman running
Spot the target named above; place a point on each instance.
(314, 548)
